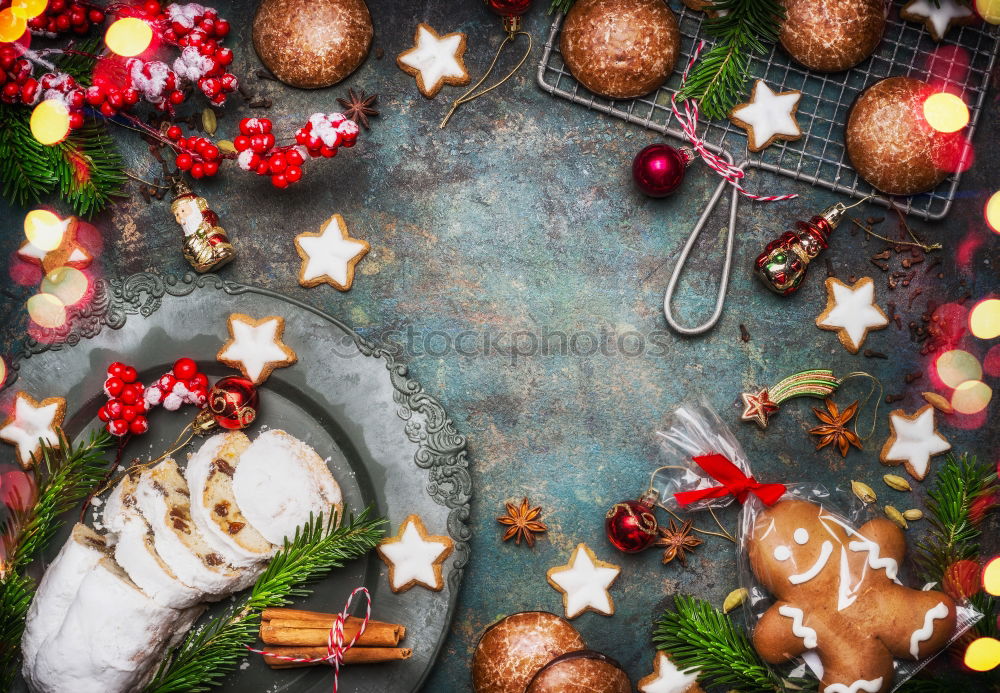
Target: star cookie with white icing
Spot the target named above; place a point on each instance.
(851, 311)
(329, 256)
(414, 557)
(768, 117)
(31, 422)
(667, 678)
(939, 17)
(435, 60)
(69, 252)
(584, 583)
(913, 440)
(255, 347)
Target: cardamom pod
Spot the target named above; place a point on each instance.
(913, 514)
(734, 599)
(938, 402)
(863, 491)
(226, 146)
(897, 482)
(896, 516)
(209, 123)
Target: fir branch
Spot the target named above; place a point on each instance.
(209, 652)
(697, 635)
(742, 28)
(80, 63)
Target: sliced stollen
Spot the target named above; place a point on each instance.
(214, 509)
(111, 636)
(78, 556)
(163, 498)
(279, 481)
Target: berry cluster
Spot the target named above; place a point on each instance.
(257, 153)
(181, 385)
(108, 97)
(196, 155)
(191, 24)
(61, 17)
(156, 82)
(125, 411)
(15, 76)
(325, 132)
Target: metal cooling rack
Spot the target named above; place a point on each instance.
(820, 156)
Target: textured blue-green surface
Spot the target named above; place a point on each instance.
(514, 225)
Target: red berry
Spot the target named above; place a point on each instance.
(174, 132)
(56, 6)
(131, 96)
(95, 16)
(114, 408)
(198, 382)
(107, 109)
(75, 121)
(176, 97)
(129, 413)
(116, 369)
(116, 99)
(293, 174)
(63, 23)
(28, 90)
(293, 157)
(265, 125)
(268, 137)
(129, 374)
(263, 169)
(118, 427)
(277, 163)
(245, 127)
(211, 168)
(139, 426)
(183, 161)
(94, 95)
(76, 99)
(241, 142)
(103, 414)
(130, 394)
(328, 152)
(224, 56)
(258, 144)
(301, 137)
(113, 386)
(279, 181)
(221, 28)
(11, 91)
(197, 170)
(185, 368)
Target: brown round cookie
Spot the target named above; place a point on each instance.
(620, 49)
(831, 35)
(583, 671)
(312, 43)
(514, 648)
(890, 143)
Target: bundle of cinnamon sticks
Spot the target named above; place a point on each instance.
(298, 633)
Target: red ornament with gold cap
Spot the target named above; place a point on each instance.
(232, 405)
(630, 525)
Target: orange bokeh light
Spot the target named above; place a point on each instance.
(983, 654)
(12, 27)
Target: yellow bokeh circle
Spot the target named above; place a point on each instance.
(68, 284)
(12, 27)
(991, 577)
(28, 9)
(989, 10)
(956, 366)
(983, 654)
(128, 36)
(50, 121)
(992, 211)
(984, 320)
(46, 311)
(971, 397)
(43, 229)
(946, 112)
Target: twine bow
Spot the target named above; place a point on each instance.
(734, 483)
(335, 647)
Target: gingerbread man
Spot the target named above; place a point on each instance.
(837, 595)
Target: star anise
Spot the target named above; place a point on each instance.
(678, 541)
(833, 429)
(358, 106)
(522, 522)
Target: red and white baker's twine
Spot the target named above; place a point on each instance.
(335, 647)
(689, 124)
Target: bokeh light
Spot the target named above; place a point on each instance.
(28, 9)
(984, 320)
(989, 10)
(128, 36)
(68, 284)
(46, 311)
(12, 27)
(956, 366)
(17, 490)
(946, 112)
(991, 362)
(971, 397)
(3, 371)
(991, 577)
(44, 229)
(983, 654)
(992, 211)
(50, 121)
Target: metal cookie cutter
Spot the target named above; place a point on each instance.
(727, 263)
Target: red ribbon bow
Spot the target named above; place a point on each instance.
(734, 482)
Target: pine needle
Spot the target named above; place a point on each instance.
(210, 651)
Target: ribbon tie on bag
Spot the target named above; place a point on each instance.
(335, 647)
(734, 483)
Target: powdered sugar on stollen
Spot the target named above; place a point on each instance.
(136, 554)
(280, 480)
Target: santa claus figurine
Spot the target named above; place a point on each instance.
(206, 245)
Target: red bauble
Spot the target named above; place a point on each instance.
(631, 525)
(508, 8)
(658, 169)
(233, 403)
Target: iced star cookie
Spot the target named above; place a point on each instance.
(584, 583)
(32, 421)
(913, 440)
(769, 116)
(255, 347)
(69, 252)
(851, 312)
(415, 557)
(435, 60)
(329, 256)
(667, 678)
(939, 17)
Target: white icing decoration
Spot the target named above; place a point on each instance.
(30, 423)
(435, 58)
(854, 311)
(255, 346)
(916, 441)
(585, 584)
(807, 634)
(669, 679)
(846, 594)
(769, 114)
(812, 660)
(872, 686)
(330, 254)
(824, 556)
(801, 535)
(782, 553)
(413, 557)
(874, 560)
(927, 630)
(939, 18)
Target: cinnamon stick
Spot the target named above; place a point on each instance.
(355, 655)
(287, 632)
